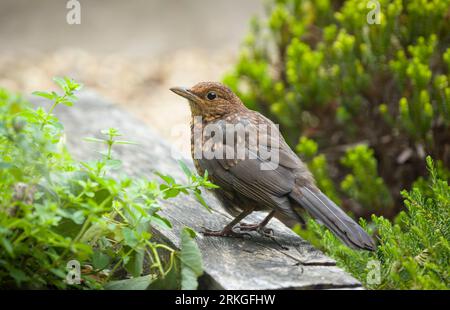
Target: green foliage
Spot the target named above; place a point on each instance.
(413, 252)
(321, 71)
(54, 209)
(191, 266)
(372, 100)
(363, 183)
(318, 166)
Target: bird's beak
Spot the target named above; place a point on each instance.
(185, 92)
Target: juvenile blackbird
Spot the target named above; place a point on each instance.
(284, 189)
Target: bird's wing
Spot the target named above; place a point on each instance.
(247, 177)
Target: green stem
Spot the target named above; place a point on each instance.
(82, 230)
(165, 247)
(157, 260)
(171, 262)
(117, 265)
(57, 101)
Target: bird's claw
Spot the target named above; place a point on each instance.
(267, 232)
(223, 233)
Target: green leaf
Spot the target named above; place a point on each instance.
(200, 199)
(191, 261)
(161, 221)
(125, 142)
(167, 178)
(135, 265)
(185, 169)
(7, 246)
(130, 237)
(44, 94)
(208, 184)
(191, 232)
(100, 260)
(78, 217)
(89, 139)
(68, 228)
(17, 173)
(171, 281)
(18, 275)
(171, 192)
(113, 163)
(139, 283)
(67, 103)
(112, 132)
(72, 98)
(60, 82)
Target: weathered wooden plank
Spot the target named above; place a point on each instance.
(250, 263)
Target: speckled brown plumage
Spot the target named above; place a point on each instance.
(283, 191)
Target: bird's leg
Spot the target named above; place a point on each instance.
(227, 231)
(261, 227)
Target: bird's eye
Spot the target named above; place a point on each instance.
(211, 95)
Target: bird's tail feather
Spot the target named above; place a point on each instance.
(326, 211)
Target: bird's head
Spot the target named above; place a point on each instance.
(210, 99)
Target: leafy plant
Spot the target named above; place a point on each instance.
(413, 252)
(364, 184)
(54, 209)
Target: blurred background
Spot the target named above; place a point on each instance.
(360, 89)
(130, 52)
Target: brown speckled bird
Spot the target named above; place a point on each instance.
(283, 191)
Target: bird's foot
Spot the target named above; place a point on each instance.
(263, 231)
(224, 233)
(267, 232)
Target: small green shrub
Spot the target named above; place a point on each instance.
(363, 183)
(54, 209)
(413, 252)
